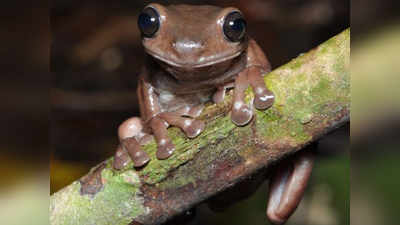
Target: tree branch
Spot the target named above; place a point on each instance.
(312, 97)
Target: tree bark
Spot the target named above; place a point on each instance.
(312, 98)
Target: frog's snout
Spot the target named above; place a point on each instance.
(187, 46)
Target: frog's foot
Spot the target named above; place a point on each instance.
(287, 187)
(264, 98)
(127, 150)
(180, 118)
(241, 112)
(131, 136)
(191, 127)
(165, 147)
(138, 156)
(121, 158)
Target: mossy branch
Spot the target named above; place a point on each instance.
(312, 97)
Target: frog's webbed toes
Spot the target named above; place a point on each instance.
(241, 113)
(138, 156)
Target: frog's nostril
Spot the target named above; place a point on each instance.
(187, 46)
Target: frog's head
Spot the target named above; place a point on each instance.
(193, 42)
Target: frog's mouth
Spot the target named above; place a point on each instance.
(206, 63)
(219, 71)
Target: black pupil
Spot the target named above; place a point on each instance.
(234, 27)
(237, 25)
(148, 22)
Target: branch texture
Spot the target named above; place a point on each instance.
(312, 97)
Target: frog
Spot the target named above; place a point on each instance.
(194, 54)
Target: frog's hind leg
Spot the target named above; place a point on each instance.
(287, 187)
(131, 136)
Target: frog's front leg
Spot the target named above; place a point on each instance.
(264, 98)
(131, 132)
(257, 67)
(241, 112)
(150, 110)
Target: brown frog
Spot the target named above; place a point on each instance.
(193, 55)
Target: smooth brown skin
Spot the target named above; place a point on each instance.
(287, 186)
(189, 62)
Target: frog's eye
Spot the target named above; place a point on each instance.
(234, 26)
(149, 22)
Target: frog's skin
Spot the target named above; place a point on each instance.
(192, 58)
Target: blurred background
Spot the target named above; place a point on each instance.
(375, 123)
(24, 92)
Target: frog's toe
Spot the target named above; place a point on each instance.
(138, 156)
(165, 150)
(241, 114)
(264, 98)
(121, 158)
(193, 128)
